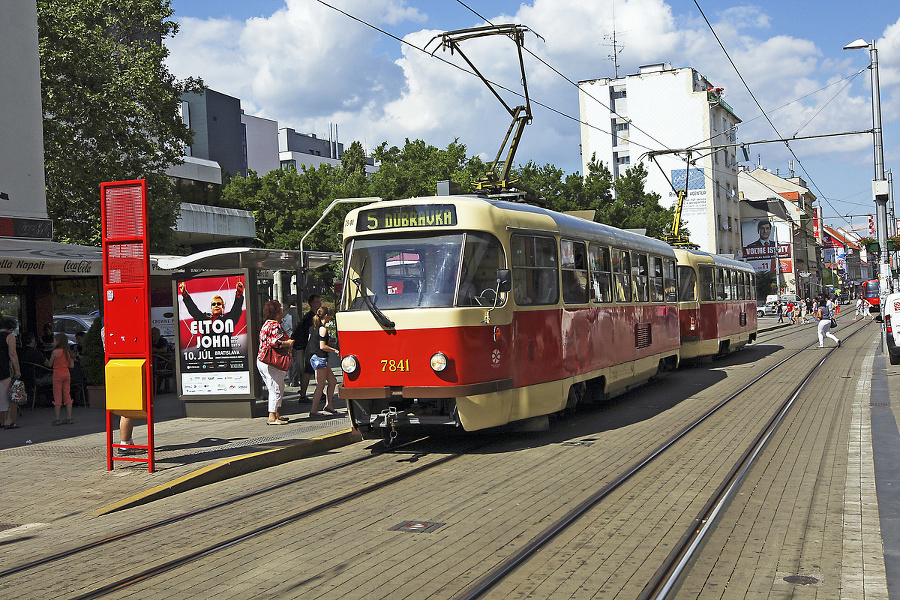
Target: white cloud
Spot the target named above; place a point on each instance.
(308, 66)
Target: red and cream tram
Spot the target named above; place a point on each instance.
(464, 311)
(869, 290)
(716, 302)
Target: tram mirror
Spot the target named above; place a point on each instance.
(504, 280)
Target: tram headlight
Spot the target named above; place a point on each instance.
(439, 361)
(349, 364)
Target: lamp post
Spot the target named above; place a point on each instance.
(880, 185)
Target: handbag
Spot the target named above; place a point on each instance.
(17, 393)
(279, 358)
(833, 323)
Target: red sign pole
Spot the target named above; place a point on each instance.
(126, 302)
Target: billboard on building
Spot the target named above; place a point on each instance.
(767, 245)
(213, 342)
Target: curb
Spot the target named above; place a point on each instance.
(233, 467)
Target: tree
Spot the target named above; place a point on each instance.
(111, 110)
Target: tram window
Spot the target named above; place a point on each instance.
(707, 283)
(534, 266)
(640, 272)
(573, 260)
(744, 287)
(656, 279)
(413, 272)
(600, 273)
(720, 284)
(726, 285)
(482, 256)
(621, 265)
(669, 280)
(687, 284)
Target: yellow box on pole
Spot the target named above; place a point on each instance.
(126, 384)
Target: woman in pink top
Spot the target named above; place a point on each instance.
(61, 360)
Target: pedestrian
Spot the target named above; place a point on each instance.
(29, 359)
(780, 312)
(301, 371)
(272, 336)
(319, 362)
(859, 312)
(9, 371)
(824, 316)
(790, 312)
(60, 361)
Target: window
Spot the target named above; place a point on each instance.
(707, 283)
(727, 285)
(534, 267)
(621, 264)
(482, 256)
(687, 284)
(669, 279)
(640, 273)
(720, 284)
(573, 261)
(656, 279)
(600, 273)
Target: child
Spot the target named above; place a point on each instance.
(61, 360)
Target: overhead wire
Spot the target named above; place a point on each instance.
(500, 86)
(762, 110)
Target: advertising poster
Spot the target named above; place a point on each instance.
(213, 342)
(767, 245)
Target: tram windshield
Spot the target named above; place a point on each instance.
(870, 289)
(428, 271)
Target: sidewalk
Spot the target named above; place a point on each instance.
(52, 471)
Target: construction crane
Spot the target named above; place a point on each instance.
(497, 179)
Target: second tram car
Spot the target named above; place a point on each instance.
(717, 304)
(462, 311)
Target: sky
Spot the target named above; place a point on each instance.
(309, 66)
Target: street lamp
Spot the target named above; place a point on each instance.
(880, 185)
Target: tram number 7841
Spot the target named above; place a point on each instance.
(394, 365)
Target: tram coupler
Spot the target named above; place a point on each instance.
(390, 416)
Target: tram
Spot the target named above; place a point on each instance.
(869, 290)
(467, 312)
(716, 303)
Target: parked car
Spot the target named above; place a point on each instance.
(72, 324)
(769, 309)
(891, 314)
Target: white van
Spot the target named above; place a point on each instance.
(892, 326)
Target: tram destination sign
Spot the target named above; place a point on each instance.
(416, 215)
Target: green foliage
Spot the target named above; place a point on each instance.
(621, 202)
(766, 284)
(93, 358)
(110, 110)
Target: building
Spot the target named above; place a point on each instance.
(296, 149)
(779, 232)
(661, 108)
(844, 260)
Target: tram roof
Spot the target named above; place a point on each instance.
(718, 259)
(565, 224)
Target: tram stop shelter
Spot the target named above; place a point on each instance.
(218, 297)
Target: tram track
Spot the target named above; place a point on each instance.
(673, 568)
(520, 557)
(149, 527)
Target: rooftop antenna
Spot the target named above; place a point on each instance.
(616, 49)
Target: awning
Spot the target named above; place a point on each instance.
(241, 258)
(42, 257)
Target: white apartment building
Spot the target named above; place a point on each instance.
(661, 108)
